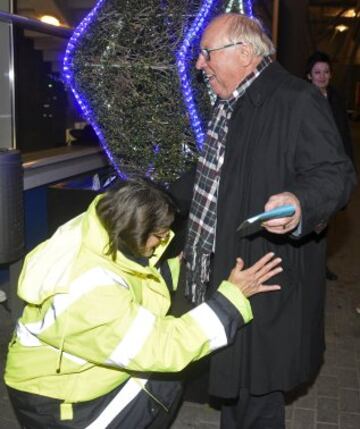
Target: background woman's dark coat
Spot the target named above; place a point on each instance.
(338, 109)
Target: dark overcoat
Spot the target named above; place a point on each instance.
(282, 137)
(341, 119)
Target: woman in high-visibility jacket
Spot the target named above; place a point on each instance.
(94, 337)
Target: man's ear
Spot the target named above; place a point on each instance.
(246, 53)
(309, 77)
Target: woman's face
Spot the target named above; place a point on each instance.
(320, 75)
(154, 240)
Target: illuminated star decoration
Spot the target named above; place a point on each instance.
(87, 49)
(182, 62)
(69, 77)
(184, 56)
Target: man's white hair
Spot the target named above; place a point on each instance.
(242, 28)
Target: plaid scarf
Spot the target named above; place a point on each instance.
(201, 235)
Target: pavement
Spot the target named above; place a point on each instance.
(333, 401)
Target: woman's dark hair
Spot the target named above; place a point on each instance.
(316, 57)
(132, 212)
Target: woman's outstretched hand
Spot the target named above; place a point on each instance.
(251, 281)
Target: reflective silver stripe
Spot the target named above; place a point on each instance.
(82, 285)
(130, 390)
(27, 339)
(96, 277)
(138, 332)
(73, 358)
(211, 325)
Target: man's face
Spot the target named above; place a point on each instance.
(224, 68)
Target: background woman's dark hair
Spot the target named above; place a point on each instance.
(132, 212)
(316, 57)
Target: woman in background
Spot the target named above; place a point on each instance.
(318, 72)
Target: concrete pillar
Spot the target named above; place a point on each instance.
(7, 138)
(292, 48)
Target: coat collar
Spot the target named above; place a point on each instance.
(266, 83)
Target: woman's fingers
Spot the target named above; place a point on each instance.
(259, 288)
(261, 262)
(264, 278)
(262, 288)
(251, 281)
(269, 288)
(267, 268)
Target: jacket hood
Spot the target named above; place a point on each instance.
(48, 268)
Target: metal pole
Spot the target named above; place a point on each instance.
(35, 25)
(275, 23)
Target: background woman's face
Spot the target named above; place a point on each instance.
(320, 75)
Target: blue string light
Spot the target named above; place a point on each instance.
(70, 79)
(249, 9)
(183, 57)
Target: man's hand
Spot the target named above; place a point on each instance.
(283, 225)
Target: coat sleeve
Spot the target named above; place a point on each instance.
(182, 190)
(111, 329)
(341, 119)
(324, 175)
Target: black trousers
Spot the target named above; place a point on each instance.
(40, 412)
(254, 412)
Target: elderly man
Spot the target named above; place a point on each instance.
(271, 141)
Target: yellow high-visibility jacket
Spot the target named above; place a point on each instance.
(90, 324)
